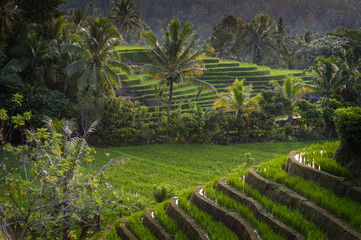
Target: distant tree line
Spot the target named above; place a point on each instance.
(318, 16)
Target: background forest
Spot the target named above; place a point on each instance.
(318, 16)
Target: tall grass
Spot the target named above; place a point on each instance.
(167, 222)
(265, 231)
(291, 217)
(215, 229)
(344, 208)
(321, 155)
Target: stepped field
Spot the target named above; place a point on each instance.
(219, 73)
(286, 198)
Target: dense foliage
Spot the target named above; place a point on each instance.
(348, 125)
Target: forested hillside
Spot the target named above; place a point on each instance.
(318, 16)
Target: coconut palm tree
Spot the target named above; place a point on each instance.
(94, 58)
(351, 76)
(125, 18)
(293, 90)
(177, 60)
(238, 100)
(328, 76)
(260, 36)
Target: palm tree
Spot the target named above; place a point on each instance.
(7, 15)
(293, 90)
(351, 76)
(177, 60)
(328, 76)
(9, 70)
(238, 99)
(125, 18)
(260, 36)
(94, 58)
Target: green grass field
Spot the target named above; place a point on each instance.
(136, 169)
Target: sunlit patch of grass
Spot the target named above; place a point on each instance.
(321, 155)
(128, 47)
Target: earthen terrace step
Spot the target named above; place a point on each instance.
(154, 226)
(259, 211)
(232, 220)
(335, 228)
(185, 222)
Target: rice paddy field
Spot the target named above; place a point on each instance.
(136, 169)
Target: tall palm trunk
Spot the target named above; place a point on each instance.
(169, 109)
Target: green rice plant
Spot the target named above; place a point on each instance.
(134, 224)
(167, 222)
(264, 230)
(128, 47)
(291, 217)
(321, 156)
(210, 60)
(215, 229)
(344, 208)
(112, 234)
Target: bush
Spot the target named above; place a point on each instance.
(39, 101)
(348, 125)
(162, 192)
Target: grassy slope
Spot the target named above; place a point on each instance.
(181, 166)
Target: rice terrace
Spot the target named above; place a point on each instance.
(186, 120)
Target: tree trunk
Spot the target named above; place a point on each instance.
(290, 120)
(169, 109)
(328, 101)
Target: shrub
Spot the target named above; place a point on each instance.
(48, 171)
(348, 125)
(162, 192)
(310, 115)
(40, 101)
